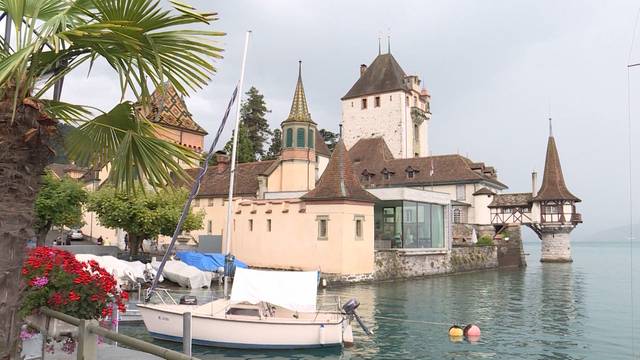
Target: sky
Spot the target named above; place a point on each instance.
(496, 70)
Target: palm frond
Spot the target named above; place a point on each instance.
(129, 145)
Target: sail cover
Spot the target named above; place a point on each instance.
(293, 290)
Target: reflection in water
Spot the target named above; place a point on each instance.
(550, 311)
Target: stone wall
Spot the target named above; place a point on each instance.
(472, 258)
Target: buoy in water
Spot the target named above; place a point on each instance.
(472, 330)
(455, 331)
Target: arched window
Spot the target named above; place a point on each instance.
(310, 139)
(289, 142)
(300, 138)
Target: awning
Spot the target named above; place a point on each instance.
(293, 290)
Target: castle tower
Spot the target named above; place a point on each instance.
(555, 210)
(298, 155)
(387, 102)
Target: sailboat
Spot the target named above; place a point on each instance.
(265, 309)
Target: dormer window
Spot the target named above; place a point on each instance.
(386, 174)
(411, 172)
(366, 176)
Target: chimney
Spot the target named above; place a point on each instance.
(363, 68)
(534, 185)
(222, 161)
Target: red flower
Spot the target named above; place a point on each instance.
(73, 296)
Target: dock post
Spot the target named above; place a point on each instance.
(88, 341)
(115, 320)
(186, 333)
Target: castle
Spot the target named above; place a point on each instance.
(380, 205)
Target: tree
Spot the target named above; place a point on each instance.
(144, 44)
(252, 116)
(59, 203)
(276, 145)
(330, 138)
(245, 146)
(142, 216)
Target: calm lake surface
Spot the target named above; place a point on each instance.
(546, 311)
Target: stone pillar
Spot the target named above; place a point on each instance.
(556, 244)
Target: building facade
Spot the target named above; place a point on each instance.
(387, 102)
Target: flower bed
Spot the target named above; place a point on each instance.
(57, 280)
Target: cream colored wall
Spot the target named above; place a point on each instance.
(188, 139)
(296, 175)
(478, 212)
(321, 165)
(293, 241)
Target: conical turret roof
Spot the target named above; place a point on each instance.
(338, 181)
(553, 186)
(299, 109)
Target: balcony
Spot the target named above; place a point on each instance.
(418, 115)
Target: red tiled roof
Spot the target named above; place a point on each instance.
(60, 170)
(216, 184)
(373, 156)
(511, 200)
(553, 186)
(338, 182)
(321, 146)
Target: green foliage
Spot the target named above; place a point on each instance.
(129, 143)
(59, 203)
(276, 145)
(485, 240)
(143, 215)
(330, 138)
(252, 116)
(143, 42)
(245, 146)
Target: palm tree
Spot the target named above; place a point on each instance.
(146, 46)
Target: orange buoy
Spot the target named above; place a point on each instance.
(456, 331)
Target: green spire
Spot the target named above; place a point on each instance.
(299, 109)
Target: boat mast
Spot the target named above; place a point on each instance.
(232, 173)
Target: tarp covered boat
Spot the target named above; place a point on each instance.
(185, 275)
(206, 261)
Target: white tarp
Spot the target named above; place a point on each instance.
(184, 275)
(124, 271)
(293, 290)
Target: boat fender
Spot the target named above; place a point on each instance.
(347, 335)
(455, 331)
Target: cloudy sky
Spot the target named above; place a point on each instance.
(495, 70)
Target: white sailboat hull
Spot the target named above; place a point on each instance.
(308, 330)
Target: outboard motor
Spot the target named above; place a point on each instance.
(349, 308)
(188, 300)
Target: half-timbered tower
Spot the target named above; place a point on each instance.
(549, 212)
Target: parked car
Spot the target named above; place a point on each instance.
(75, 234)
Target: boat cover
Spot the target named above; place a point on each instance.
(184, 275)
(122, 271)
(293, 290)
(206, 261)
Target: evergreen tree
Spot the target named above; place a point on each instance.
(276, 145)
(252, 115)
(330, 138)
(245, 150)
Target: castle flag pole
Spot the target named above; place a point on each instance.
(232, 174)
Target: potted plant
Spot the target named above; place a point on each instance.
(55, 279)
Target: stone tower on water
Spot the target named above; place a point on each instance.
(554, 206)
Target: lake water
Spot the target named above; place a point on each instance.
(546, 311)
